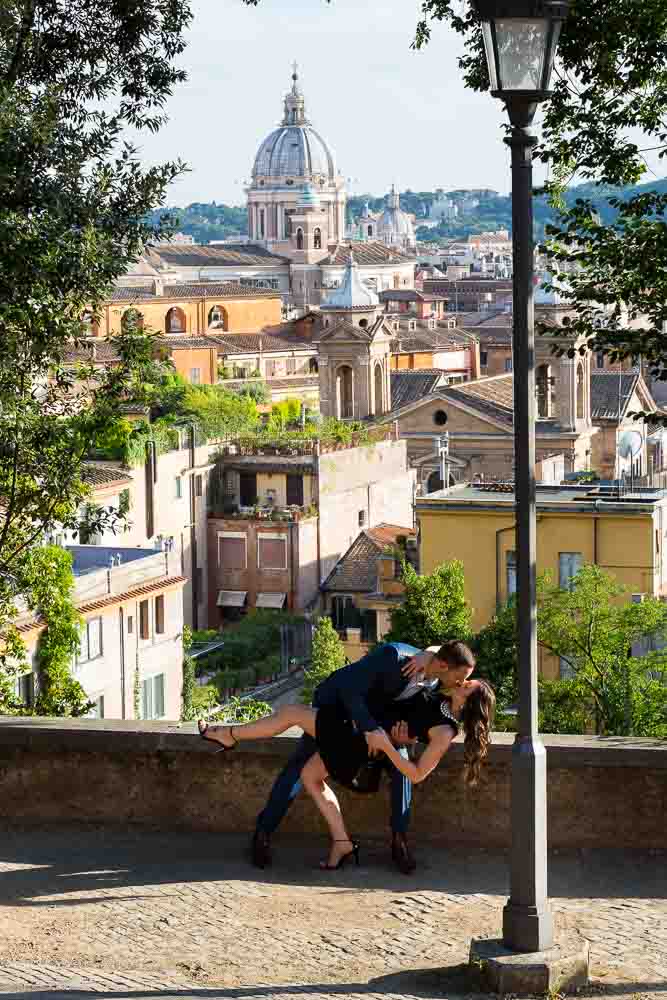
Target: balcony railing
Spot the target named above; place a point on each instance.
(266, 512)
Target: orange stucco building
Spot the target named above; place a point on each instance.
(192, 308)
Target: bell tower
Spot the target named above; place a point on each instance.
(309, 229)
(354, 351)
(562, 384)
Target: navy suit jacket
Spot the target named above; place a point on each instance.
(368, 685)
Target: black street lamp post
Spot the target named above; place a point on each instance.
(520, 38)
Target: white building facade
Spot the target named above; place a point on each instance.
(130, 664)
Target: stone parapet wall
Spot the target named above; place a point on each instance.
(601, 792)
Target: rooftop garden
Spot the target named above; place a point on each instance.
(219, 414)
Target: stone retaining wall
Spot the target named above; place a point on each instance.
(601, 792)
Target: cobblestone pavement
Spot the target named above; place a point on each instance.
(188, 915)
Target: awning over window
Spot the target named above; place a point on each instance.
(270, 601)
(231, 598)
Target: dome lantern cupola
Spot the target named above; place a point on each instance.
(353, 295)
(295, 105)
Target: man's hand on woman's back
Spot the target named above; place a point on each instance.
(400, 735)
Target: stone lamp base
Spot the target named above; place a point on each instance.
(563, 968)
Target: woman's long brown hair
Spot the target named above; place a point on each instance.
(477, 719)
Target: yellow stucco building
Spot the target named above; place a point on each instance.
(576, 525)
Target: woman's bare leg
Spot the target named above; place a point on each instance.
(313, 780)
(271, 725)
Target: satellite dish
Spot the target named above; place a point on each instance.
(630, 444)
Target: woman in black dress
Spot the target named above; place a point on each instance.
(432, 718)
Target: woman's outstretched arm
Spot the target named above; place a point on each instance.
(440, 738)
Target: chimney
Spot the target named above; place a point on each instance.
(158, 286)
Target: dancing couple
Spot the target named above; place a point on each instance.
(371, 711)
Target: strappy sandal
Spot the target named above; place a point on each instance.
(354, 853)
(203, 729)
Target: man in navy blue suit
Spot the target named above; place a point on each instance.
(393, 672)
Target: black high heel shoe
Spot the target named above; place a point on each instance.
(346, 857)
(203, 729)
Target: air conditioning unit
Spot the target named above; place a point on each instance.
(637, 598)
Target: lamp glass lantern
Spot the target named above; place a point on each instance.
(520, 41)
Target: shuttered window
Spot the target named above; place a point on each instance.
(144, 620)
(159, 614)
(271, 552)
(232, 551)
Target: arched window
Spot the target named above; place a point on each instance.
(543, 391)
(131, 319)
(379, 406)
(174, 321)
(580, 392)
(288, 226)
(261, 223)
(363, 323)
(299, 239)
(370, 230)
(313, 367)
(217, 316)
(317, 239)
(344, 398)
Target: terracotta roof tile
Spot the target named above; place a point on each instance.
(181, 342)
(104, 476)
(194, 290)
(230, 254)
(611, 391)
(290, 382)
(491, 396)
(411, 386)
(164, 583)
(251, 343)
(386, 534)
(92, 351)
(371, 252)
(356, 570)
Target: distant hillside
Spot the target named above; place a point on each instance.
(494, 211)
(206, 221)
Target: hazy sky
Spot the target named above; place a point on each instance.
(390, 114)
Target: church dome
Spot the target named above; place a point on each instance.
(295, 149)
(394, 224)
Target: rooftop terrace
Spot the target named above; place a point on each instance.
(588, 496)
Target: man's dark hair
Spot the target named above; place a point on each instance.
(456, 654)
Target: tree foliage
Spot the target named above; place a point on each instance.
(327, 655)
(593, 631)
(73, 196)
(219, 411)
(49, 596)
(495, 648)
(434, 608)
(610, 86)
